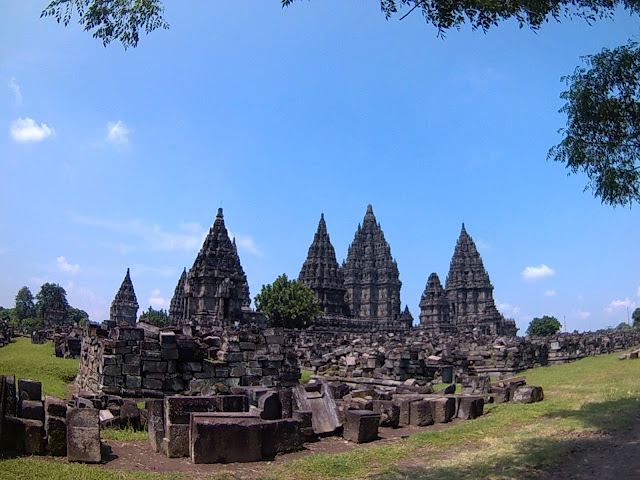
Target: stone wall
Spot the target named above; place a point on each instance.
(148, 362)
(421, 353)
(6, 332)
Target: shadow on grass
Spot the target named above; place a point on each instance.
(605, 416)
(585, 455)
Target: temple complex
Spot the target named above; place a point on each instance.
(215, 291)
(364, 294)
(322, 274)
(56, 310)
(177, 301)
(124, 308)
(466, 302)
(371, 275)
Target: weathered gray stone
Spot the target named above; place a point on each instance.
(225, 438)
(444, 409)
(83, 435)
(470, 407)
(270, 405)
(528, 394)
(281, 436)
(361, 426)
(55, 406)
(29, 390)
(155, 423)
(56, 431)
(32, 409)
(389, 413)
(421, 413)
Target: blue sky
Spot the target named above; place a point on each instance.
(114, 159)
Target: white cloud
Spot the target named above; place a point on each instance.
(86, 299)
(508, 310)
(247, 243)
(538, 272)
(118, 133)
(65, 266)
(13, 85)
(616, 304)
(154, 237)
(584, 315)
(27, 130)
(482, 245)
(549, 293)
(157, 301)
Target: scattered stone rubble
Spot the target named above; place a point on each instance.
(630, 355)
(6, 333)
(66, 339)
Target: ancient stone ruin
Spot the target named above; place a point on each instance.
(363, 294)
(466, 303)
(124, 308)
(215, 290)
(6, 333)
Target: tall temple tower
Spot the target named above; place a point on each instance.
(124, 308)
(177, 301)
(371, 274)
(434, 307)
(470, 292)
(322, 274)
(216, 291)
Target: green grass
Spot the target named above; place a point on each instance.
(126, 434)
(306, 376)
(38, 362)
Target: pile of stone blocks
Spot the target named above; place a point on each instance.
(630, 355)
(6, 333)
(222, 428)
(33, 426)
(148, 362)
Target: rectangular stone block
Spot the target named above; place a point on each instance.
(421, 413)
(112, 370)
(83, 435)
(155, 423)
(131, 369)
(281, 436)
(177, 409)
(33, 437)
(169, 353)
(29, 389)
(225, 438)
(10, 398)
(389, 413)
(361, 426)
(56, 432)
(444, 409)
(55, 406)
(470, 407)
(32, 409)
(403, 401)
(154, 367)
(152, 383)
(132, 381)
(177, 437)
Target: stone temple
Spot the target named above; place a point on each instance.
(215, 291)
(363, 294)
(124, 308)
(466, 302)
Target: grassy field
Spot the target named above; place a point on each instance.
(590, 396)
(38, 362)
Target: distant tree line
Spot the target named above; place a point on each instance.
(159, 318)
(29, 312)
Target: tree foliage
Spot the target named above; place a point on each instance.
(24, 304)
(111, 20)
(159, 318)
(636, 318)
(543, 327)
(602, 138)
(51, 295)
(288, 303)
(75, 315)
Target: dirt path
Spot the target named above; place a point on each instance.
(602, 457)
(138, 456)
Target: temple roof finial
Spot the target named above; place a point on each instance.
(219, 215)
(369, 209)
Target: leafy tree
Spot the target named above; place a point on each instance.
(75, 315)
(31, 324)
(159, 318)
(624, 326)
(111, 19)
(543, 327)
(24, 304)
(51, 295)
(288, 303)
(602, 138)
(636, 318)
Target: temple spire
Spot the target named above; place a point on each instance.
(322, 274)
(371, 274)
(124, 307)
